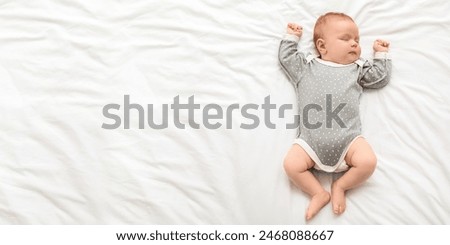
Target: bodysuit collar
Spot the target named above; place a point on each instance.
(359, 62)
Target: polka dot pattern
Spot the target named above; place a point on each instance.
(328, 98)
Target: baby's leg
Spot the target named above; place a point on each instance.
(296, 165)
(362, 162)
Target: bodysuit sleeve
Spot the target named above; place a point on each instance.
(292, 61)
(378, 74)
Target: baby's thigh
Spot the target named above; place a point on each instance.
(360, 153)
(297, 160)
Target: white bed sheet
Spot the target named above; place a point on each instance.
(62, 61)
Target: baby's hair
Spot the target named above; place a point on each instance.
(322, 20)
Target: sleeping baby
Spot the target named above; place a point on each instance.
(333, 80)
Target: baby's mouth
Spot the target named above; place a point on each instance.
(352, 52)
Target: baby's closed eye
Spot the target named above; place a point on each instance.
(348, 38)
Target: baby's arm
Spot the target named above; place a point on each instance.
(378, 74)
(290, 59)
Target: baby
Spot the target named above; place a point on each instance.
(333, 82)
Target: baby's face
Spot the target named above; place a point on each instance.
(341, 41)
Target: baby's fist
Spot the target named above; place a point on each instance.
(294, 29)
(380, 45)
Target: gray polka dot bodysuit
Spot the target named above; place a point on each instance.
(328, 99)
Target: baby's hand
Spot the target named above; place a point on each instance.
(380, 45)
(294, 29)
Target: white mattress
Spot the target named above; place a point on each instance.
(61, 62)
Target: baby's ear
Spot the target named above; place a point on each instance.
(320, 45)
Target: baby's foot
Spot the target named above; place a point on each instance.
(318, 201)
(338, 199)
